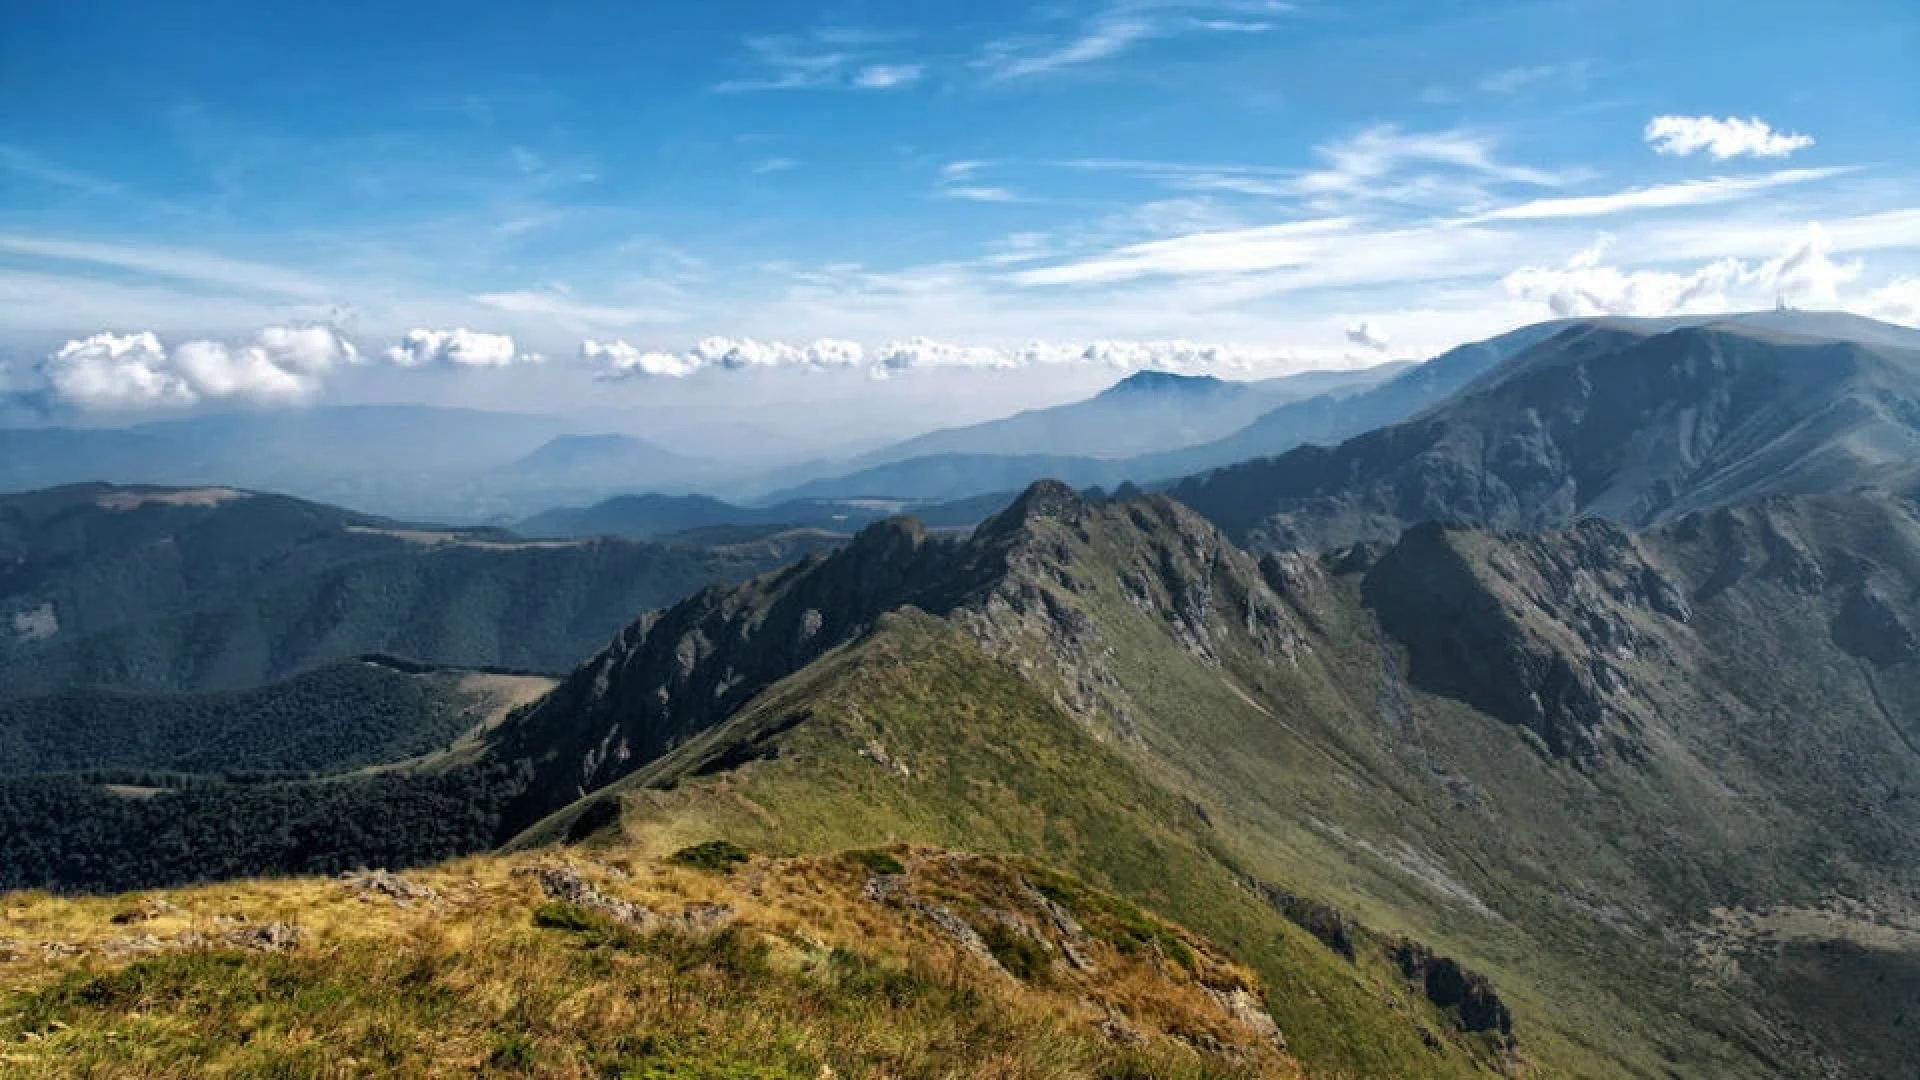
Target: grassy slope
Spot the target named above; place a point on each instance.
(991, 763)
(1583, 893)
(803, 977)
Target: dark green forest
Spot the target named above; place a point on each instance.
(346, 716)
(76, 835)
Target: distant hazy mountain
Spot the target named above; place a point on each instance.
(960, 476)
(703, 519)
(1330, 419)
(1636, 421)
(164, 589)
(1146, 412)
(601, 462)
(1396, 392)
(405, 460)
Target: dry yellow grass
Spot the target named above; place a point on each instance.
(960, 966)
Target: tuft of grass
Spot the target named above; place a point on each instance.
(1023, 957)
(877, 860)
(714, 856)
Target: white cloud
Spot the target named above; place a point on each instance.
(1657, 197)
(887, 76)
(113, 371)
(1182, 357)
(1121, 26)
(281, 365)
(734, 354)
(1897, 301)
(1802, 275)
(979, 193)
(1805, 274)
(459, 348)
(1367, 336)
(957, 182)
(919, 352)
(620, 360)
(774, 165)
(1377, 165)
(1683, 136)
(1225, 251)
(180, 264)
(1366, 164)
(829, 57)
(1105, 38)
(1585, 287)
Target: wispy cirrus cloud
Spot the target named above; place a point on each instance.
(560, 305)
(1381, 164)
(1118, 28)
(845, 58)
(176, 263)
(1510, 82)
(1658, 196)
(887, 76)
(961, 180)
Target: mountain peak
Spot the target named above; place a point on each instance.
(1043, 499)
(1168, 382)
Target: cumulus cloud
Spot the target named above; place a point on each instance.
(1897, 301)
(921, 352)
(459, 348)
(1804, 274)
(1183, 357)
(1683, 136)
(619, 360)
(280, 365)
(1365, 335)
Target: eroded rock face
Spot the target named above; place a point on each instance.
(1542, 632)
(1448, 985)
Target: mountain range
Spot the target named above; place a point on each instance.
(167, 589)
(1633, 421)
(1147, 412)
(1314, 413)
(1567, 725)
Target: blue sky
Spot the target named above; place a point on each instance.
(957, 206)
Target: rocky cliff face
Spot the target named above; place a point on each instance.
(679, 671)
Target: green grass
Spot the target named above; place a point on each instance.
(878, 861)
(716, 856)
(997, 766)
